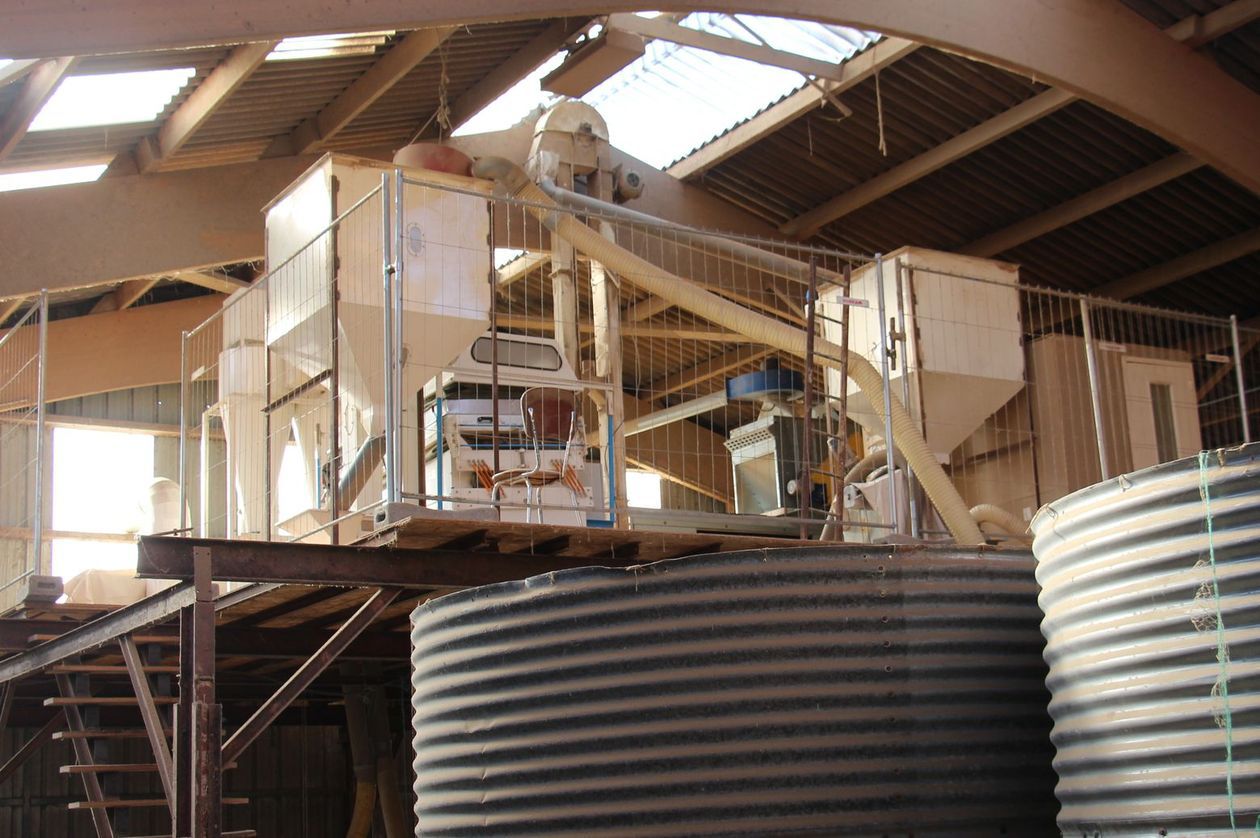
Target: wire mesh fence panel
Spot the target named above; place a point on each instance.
(22, 437)
(283, 429)
(446, 347)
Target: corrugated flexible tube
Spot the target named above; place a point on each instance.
(757, 327)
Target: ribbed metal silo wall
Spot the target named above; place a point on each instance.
(833, 690)
(1151, 593)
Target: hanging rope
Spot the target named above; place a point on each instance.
(1221, 688)
(879, 112)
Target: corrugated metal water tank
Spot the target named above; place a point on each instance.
(831, 690)
(1151, 593)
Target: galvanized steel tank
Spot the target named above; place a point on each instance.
(1151, 593)
(831, 690)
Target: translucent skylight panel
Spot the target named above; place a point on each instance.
(677, 98)
(111, 99)
(13, 181)
(326, 46)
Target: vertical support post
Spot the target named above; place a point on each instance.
(334, 396)
(181, 752)
(606, 312)
(883, 359)
(389, 360)
(394, 422)
(805, 480)
(494, 345)
(41, 430)
(437, 421)
(207, 718)
(901, 275)
(1095, 390)
(268, 500)
(184, 399)
(1238, 372)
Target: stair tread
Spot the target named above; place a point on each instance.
(103, 733)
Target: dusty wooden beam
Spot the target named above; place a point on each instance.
(1109, 194)
(179, 127)
(1203, 259)
(125, 295)
(215, 282)
(666, 30)
(397, 62)
(856, 69)
(522, 62)
(169, 221)
(40, 84)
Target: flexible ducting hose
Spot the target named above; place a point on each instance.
(987, 513)
(756, 327)
(863, 467)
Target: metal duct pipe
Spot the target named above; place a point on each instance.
(365, 461)
(767, 261)
(675, 413)
(692, 297)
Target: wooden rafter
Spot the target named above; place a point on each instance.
(1109, 194)
(856, 69)
(179, 127)
(1194, 31)
(523, 62)
(40, 84)
(215, 282)
(125, 295)
(396, 63)
(1203, 259)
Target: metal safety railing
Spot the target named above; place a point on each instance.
(23, 450)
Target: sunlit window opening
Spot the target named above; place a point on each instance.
(643, 489)
(100, 482)
(111, 99)
(13, 181)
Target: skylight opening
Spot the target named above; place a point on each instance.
(675, 99)
(326, 46)
(13, 181)
(111, 99)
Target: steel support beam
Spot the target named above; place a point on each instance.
(230, 640)
(149, 713)
(100, 631)
(307, 672)
(322, 564)
(207, 714)
(30, 746)
(83, 756)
